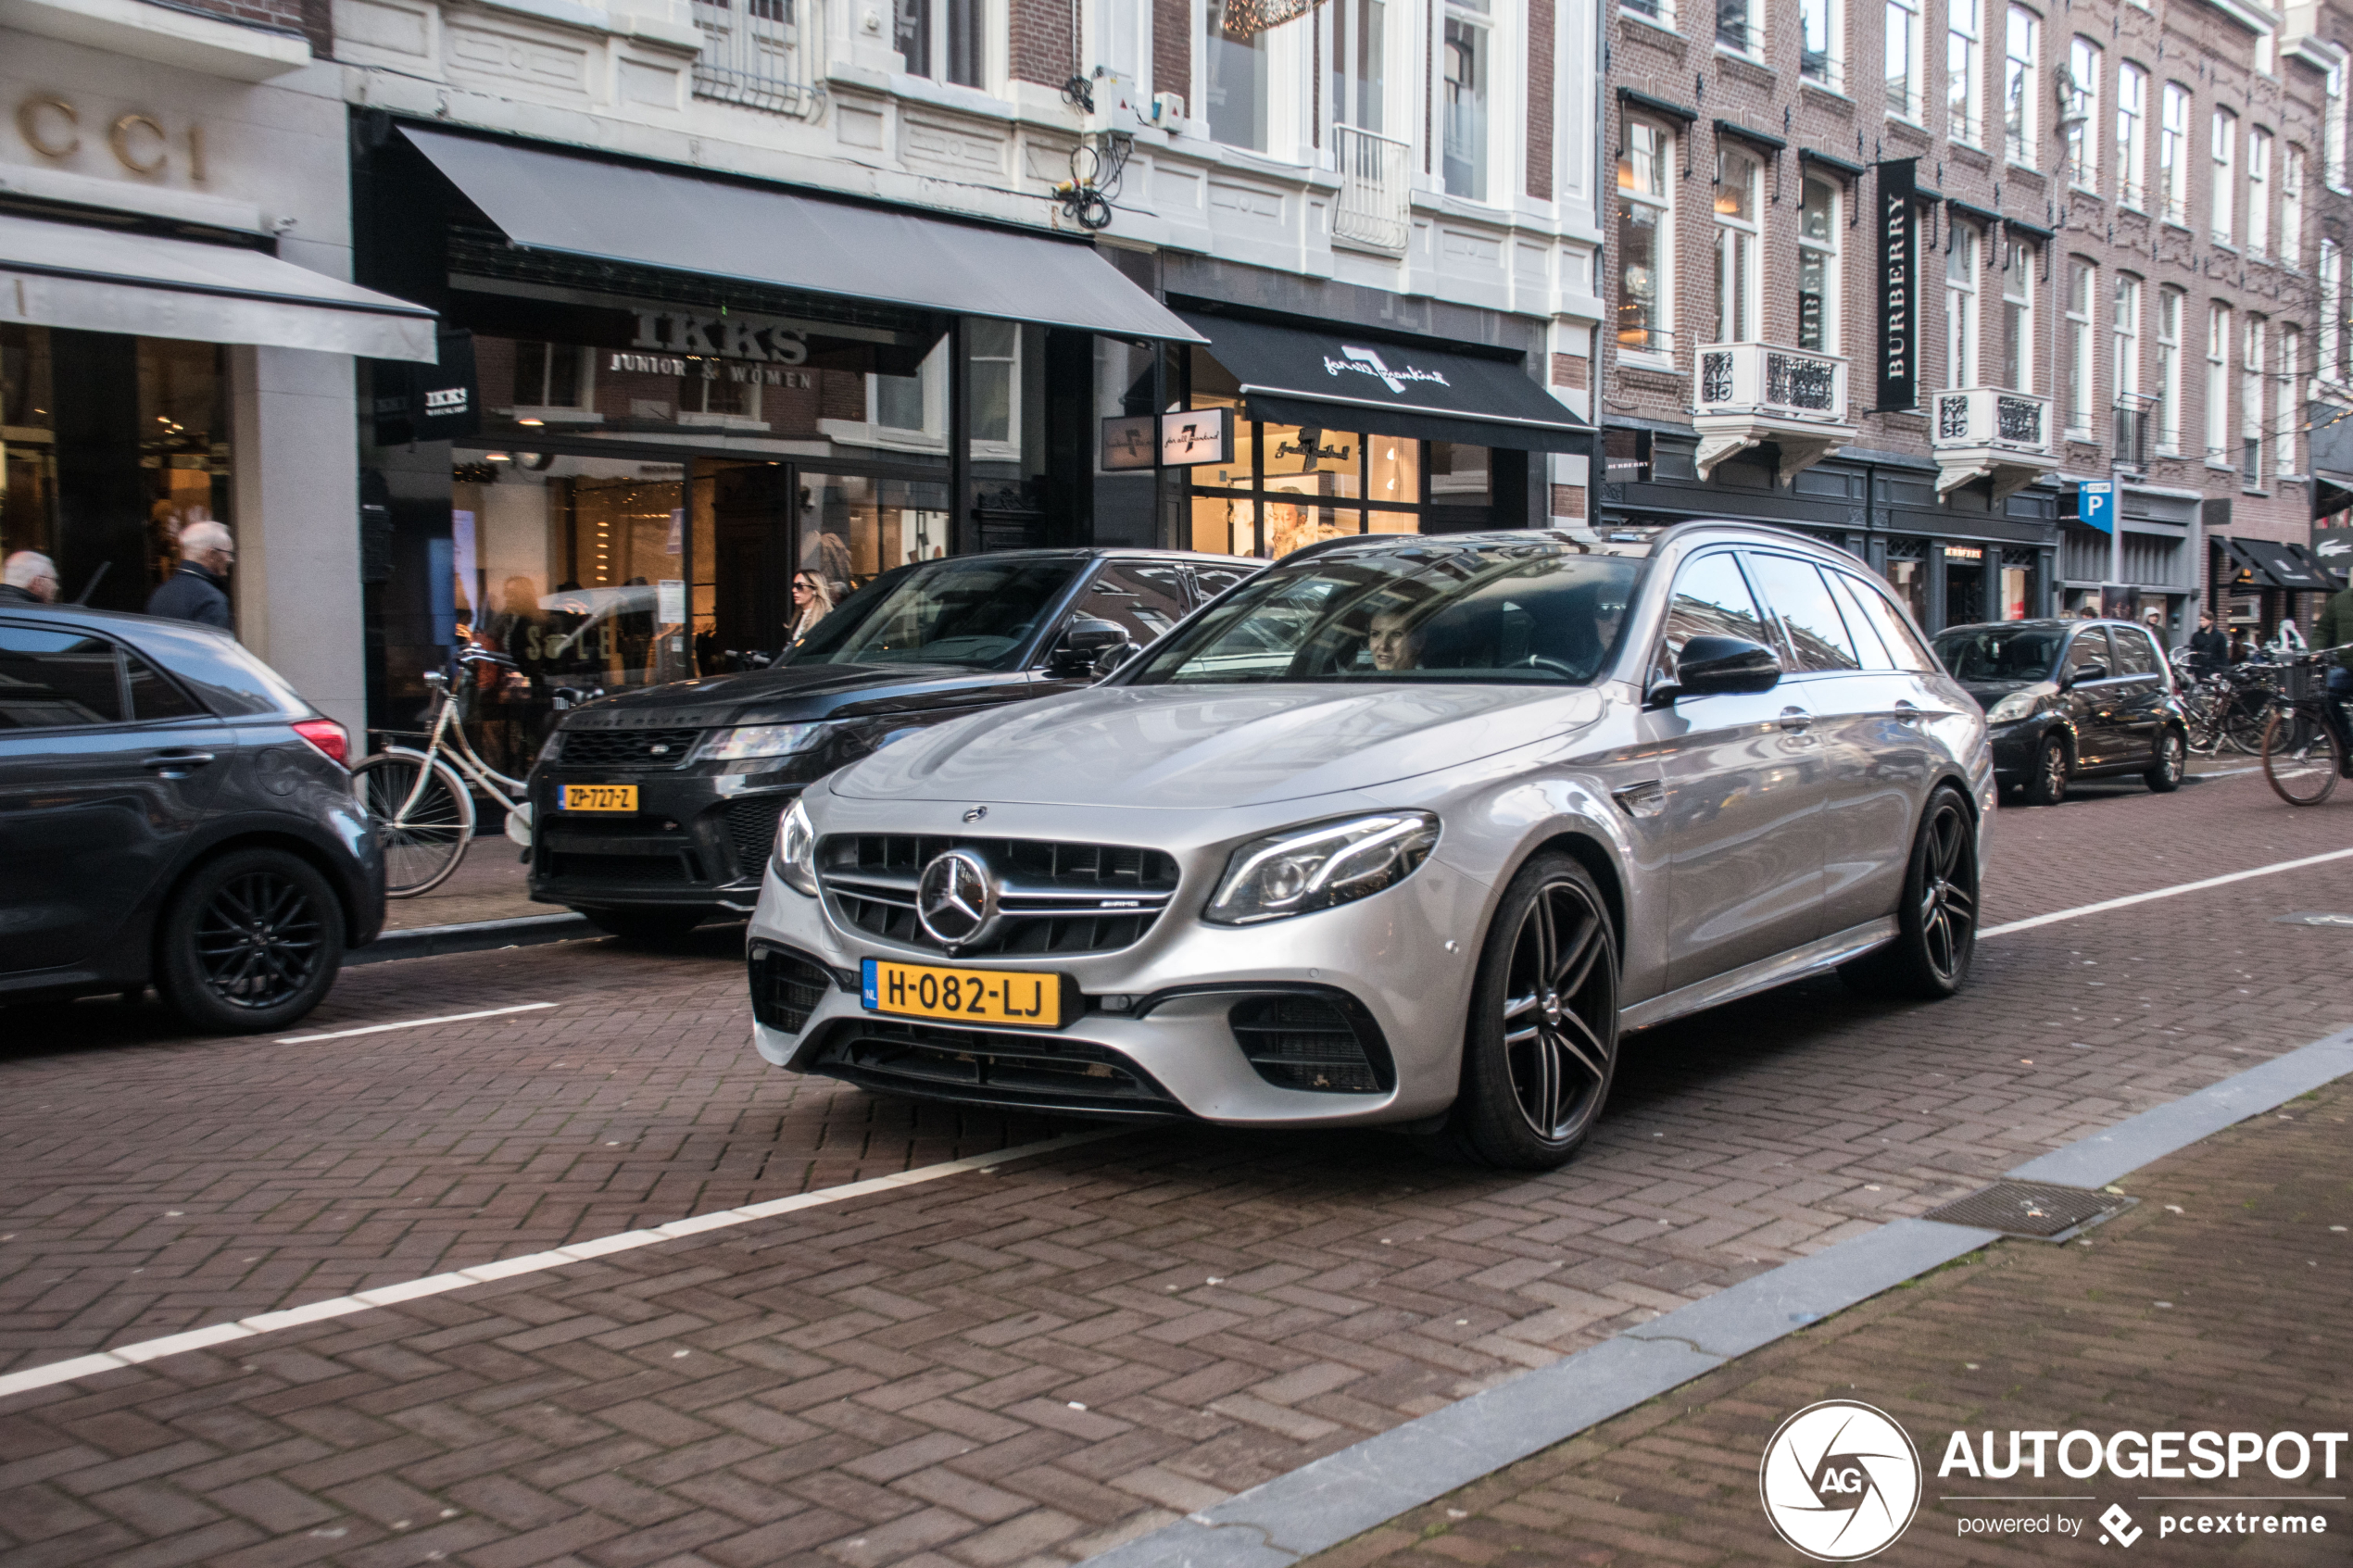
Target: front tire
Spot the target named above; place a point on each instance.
(2301, 759)
(1936, 925)
(251, 942)
(652, 925)
(1540, 1047)
(2047, 786)
(2171, 762)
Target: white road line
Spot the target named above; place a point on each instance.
(415, 1023)
(2107, 904)
(509, 1268)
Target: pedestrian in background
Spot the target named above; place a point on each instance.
(812, 600)
(198, 591)
(28, 578)
(2210, 646)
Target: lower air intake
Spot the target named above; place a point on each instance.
(1325, 1044)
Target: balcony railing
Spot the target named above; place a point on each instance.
(1993, 419)
(2134, 419)
(760, 54)
(1763, 378)
(1375, 204)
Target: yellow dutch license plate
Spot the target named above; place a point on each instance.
(968, 996)
(600, 798)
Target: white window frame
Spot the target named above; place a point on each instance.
(1829, 71)
(2330, 265)
(2131, 135)
(1659, 14)
(2291, 246)
(1751, 43)
(2291, 399)
(582, 410)
(2085, 62)
(1964, 328)
(2218, 386)
(2259, 192)
(1905, 24)
(1663, 155)
(2174, 152)
(1965, 81)
(2022, 73)
(1478, 16)
(2333, 129)
(2125, 361)
(2169, 305)
(2253, 340)
(1739, 244)
(1827, 247)
(2222, 222)
(2019, 259)
(2082, 287)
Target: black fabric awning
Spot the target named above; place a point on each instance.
(684, 222)
(1295, 377)
(2332, 492)
(2315, 557)
(2266, 563)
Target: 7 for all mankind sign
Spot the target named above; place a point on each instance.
(1899, 344)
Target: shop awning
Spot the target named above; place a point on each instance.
(766, 234)
(1295, 377)
(103, 281)
(2269, 564)
(2317, 557)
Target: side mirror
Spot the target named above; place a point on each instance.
(1710, 666)
(1111, 659)
(1084, 641)
(2092, 671)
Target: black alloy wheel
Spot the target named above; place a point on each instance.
(2165, 776)
(251, 942)
(1542, 1046)
(2047, 786)
(1936, 923)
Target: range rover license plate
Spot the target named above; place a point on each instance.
(600, 798)
(967, 995)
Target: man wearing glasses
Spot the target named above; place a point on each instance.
(199, 590)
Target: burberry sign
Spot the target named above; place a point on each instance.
(1899, 344)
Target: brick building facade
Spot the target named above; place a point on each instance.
(2116, 278)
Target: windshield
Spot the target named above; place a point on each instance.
(976, 612)
(2023, 653)
(1539, 611)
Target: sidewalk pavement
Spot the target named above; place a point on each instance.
(2219, 1302)
(488, 885)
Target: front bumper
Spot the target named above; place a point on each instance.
(2015, 747)
(1194, 1021)
(696, 838)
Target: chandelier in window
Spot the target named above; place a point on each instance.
(1248, 18)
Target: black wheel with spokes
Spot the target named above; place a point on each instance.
(1541, 1046)
(2301, 759)
(2171, 762)
(1936, 923)
(2047, 786)
(252, 941)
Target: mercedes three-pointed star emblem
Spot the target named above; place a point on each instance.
(956, 899)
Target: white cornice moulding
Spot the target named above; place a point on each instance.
(122, 195)
(165, 36)
(2252, 18)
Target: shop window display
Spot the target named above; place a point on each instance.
(109, 445)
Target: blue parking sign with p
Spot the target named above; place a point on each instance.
(2096, 505)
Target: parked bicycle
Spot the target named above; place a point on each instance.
(2228, 706)
(2303, 750)
(422, 801)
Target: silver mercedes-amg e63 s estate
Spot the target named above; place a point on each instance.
(1404, 830)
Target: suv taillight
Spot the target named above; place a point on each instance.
(328, 736)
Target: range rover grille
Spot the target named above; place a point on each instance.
(626, 748)
(1056, 897)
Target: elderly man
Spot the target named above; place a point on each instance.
(28, 577)
(199, 590)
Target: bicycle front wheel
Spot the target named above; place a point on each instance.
(2301, 758)
(423, 812)
(2244, 721)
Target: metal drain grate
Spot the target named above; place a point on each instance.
(2032, 1209)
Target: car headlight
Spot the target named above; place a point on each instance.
(1316, 866)
(756, 740)
(797, 850)
(2019, 704)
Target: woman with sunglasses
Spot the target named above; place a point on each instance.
(812, 602)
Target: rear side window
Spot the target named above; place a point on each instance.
(1712, 600)
(1211, 580)
(2091, 647)
(1146, 597)
(1817, 632)
(2133, 655)
(58, 680)
(1902, 643)
(154, 694)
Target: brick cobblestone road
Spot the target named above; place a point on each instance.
(2218, 1303)
(1022, 1365)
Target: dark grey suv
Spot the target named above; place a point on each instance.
(173, 813)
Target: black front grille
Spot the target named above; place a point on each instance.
(752, 827)
(638, 849)
(634, 750)
(787, 987)
(1046, 1072)
(1313, 1042)
(1056, 897)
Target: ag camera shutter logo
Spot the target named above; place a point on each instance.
(1840, 1481)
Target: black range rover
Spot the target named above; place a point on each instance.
(654, 809)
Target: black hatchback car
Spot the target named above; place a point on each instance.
(173, 813)
(654, 809)
(2069, 699)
